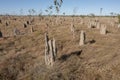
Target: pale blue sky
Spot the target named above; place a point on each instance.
(82, 6)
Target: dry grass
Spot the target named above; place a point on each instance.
(22, 56)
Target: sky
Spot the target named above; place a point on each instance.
(70, 7)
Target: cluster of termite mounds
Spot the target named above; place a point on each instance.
(96, 24)
(50, 46)
(11, 28)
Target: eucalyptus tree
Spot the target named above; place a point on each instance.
(75, 10)
(101, 9)
(64, 13)
(57, 5)
(21, 11)
(49, 10)
(31, 13)
(111, 13)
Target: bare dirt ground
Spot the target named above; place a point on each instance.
(22, 56)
